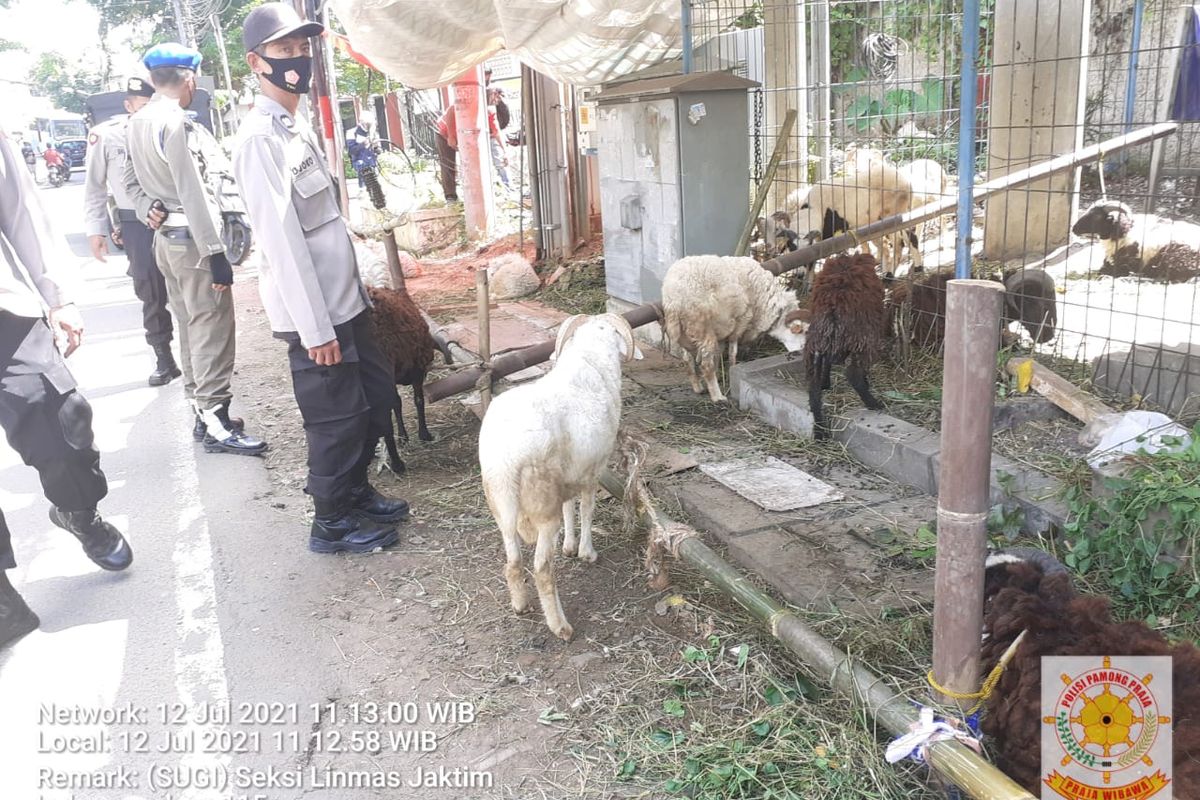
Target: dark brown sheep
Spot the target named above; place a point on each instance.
(846, 325)
(403, 336)
(1029, 298)
(1036, 595)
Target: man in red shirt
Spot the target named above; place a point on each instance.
(447, 147)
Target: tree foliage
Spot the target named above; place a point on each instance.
(66, 85)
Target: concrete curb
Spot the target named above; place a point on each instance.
(900, 450)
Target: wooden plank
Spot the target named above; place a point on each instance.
(1076, 402)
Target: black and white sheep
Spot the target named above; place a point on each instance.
(846, 326)
(708, 301)
(1144, 245)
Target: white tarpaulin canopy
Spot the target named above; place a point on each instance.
(425, 43)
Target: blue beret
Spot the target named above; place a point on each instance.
(172, 54)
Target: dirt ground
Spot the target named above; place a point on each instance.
(660, 694)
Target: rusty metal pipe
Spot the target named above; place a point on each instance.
(897, 222)
(642, 315)
(521, 359)
(973, 311)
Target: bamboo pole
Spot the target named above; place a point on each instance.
(760, 195)
(645, 314)
(973, 311)
(393, 257)
(485, 331)
(953, 760)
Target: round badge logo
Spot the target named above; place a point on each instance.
(1106, 722)
(292, 77)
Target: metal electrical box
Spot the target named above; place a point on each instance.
(674, 175)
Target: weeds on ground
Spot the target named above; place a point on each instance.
(580, 290)
(1137, 541)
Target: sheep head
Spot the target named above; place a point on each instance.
(573, 323)
(1105, 219)
(1029, 298)
(792, 327)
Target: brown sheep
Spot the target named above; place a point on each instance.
(403, 336)
(846, 325)
(1029, 591)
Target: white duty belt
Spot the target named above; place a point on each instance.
(175, 219)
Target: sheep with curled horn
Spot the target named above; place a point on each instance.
(542, 447)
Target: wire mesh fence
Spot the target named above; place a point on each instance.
(882, 81)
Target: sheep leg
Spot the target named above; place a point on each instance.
(403, 432)
(918, 260)
(570, 544)
(587, 505)
(708, 369)
(690, 360)
(395, 463)
(826, 370)
(419, 401)
(733, 350)
(856, 375)
(506, 518)
(819, 367)
(543, 575)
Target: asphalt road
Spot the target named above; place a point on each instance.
(199, 670)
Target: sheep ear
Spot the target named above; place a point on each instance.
(567, 330)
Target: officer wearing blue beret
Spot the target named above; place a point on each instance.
(166, 171)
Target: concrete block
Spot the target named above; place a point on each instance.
(1168, 376)
(714, 509)
(1036, 494)
(757, 386)
(898, 449)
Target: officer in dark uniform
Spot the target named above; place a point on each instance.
(105, 175)
(45, 419)
(312, 292)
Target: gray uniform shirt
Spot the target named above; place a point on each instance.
(105, 174)
(37, 272)
(166, 162)
(309, 280)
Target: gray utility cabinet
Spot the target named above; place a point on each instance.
(674, 175)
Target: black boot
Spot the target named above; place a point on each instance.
(102, 542)
(200, 430)
(221, 436)
(336, 528)
(166, 370)
(367, 502)
(16, 619)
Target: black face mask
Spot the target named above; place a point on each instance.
(282, 69)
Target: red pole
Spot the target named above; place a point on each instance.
(474, 154)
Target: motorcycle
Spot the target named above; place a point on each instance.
(57, 171)
(235, 225)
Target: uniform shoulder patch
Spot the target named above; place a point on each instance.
(93, 137)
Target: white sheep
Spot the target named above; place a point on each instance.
(869, 190)
(930, 184)
(708, 301)
(542, 446)
(1144, 244)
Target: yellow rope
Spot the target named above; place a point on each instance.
(989, 683)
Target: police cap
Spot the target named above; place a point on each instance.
(172, 54)
(136, 87)
(272, 21)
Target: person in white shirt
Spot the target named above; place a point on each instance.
(312, 292)
(46, 420)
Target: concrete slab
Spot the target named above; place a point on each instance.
(512, 326)
(772, 484)
(765, 388)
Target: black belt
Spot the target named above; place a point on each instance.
(127, 215)
(175, 233)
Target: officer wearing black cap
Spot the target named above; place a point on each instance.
(166, 169)
(312, 292)
(105, 175)
(46, 420)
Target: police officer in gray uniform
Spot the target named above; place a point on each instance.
(312, 292)
(46, 420)
(105, 175)
(166, 166)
